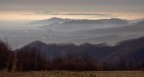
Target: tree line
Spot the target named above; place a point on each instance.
(32, 59)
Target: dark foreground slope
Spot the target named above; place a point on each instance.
(129, 54)
(125, 55)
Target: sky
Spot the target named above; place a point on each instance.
(11, 10)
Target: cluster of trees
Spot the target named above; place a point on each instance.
(6, 56)
(32, 59)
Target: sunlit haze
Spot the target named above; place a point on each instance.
(26, 10)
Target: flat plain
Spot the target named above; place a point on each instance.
(73, 74)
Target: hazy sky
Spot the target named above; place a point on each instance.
(87, 9)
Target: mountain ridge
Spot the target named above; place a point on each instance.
(132, 48)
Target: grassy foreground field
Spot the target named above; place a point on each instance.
(74, 74)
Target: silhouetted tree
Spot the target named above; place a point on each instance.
(4, 54)
(75, 63)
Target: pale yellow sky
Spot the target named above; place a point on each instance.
(88, 9)
(28, 16)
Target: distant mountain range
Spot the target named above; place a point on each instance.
(135, 20)
(110, 35)
(80, 21)
(59, 24)
(107, 39)
(49, 21)
(100, 21)
(139, 26)
(69, 25)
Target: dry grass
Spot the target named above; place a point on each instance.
(74, 74)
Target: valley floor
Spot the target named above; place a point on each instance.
(74, 74)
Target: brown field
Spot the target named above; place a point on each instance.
(74, 74)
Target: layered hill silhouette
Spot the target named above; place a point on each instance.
(60, 24)
(132, 28)
(127, 51)
(125, 55)
(110, 34)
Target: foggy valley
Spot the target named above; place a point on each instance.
(59, 30)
